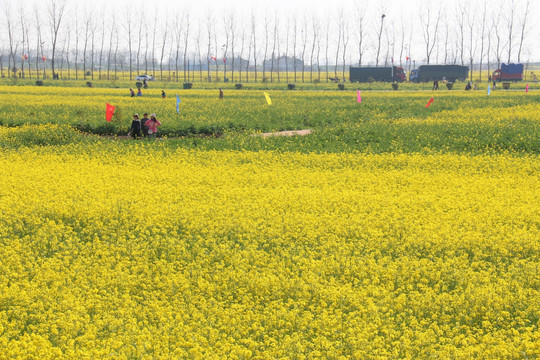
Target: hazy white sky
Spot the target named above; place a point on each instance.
(396, 11)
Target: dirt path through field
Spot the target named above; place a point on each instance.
(285, 133)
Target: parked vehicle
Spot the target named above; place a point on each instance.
(510, 72)
(144, 77)
(385, 74)
(450, 73)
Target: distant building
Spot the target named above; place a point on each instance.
(284, 63)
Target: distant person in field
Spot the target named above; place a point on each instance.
(144, 129)
(135, 130)
(163, 95)
(436, 85)
(132, 92)
(139, 93)
(152, 126)
(220, 93)
(145, 84)
(494, 84)
(468, 86)
(535, 79)
(475, 87)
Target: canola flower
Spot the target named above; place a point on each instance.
(136, 250)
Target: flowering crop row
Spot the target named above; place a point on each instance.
(143, 251)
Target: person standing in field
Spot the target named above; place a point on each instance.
(135, 130)
(163, 95)
(152, 126)
(143, 125)
(139, 93)
(132, 92)
(220, 93)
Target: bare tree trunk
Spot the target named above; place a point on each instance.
(128, 26)
(178, 38)
(76, 44)
(233, 35)
(482, 37)
(38, 36)
(460, 16)
(359, 33)
(379, 37)
(523, 30)
(327, 46)
(209, 28)
(295, 24)
(226, 50)
(314, 24)
(428, 31)
(165, 33)
(23, 20)
(345, 39)
(253, 29)
(154, 43)
(67, 53)
(110, 52)
(287, 50)
(242, 42)
(249, 56)
(199, 53)
(510, 24)
(266, 21)
(56, 14)
(304, 44)
(102, 45)
(340, 19)
(274, 48)
(186, 42)
(86, 36)
(93, 49)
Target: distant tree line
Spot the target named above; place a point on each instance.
(56, 39)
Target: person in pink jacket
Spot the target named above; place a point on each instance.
(152, 125)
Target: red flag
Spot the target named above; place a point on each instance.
(224, 60)
(429, 102)
(43, 58)
(527, 89)
(109, 112)
(407, 58)
(213, 58)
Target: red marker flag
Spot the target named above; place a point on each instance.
(429, 102)
(359, 96)
(109, 112)
(43, 58)
(407, 58)
(527, 89)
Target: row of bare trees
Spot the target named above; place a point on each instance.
(82, 42)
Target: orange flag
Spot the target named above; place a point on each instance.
(109, 112)
(429, 102)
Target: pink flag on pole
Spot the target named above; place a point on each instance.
(430, 102)
(527, 89)
(359, 96)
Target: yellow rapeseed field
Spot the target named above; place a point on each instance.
(144, 251)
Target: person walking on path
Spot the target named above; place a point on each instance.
(152, 126)
(135, 129)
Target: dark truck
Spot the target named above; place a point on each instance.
(450, 73)
(510, 72)
(385, 74)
